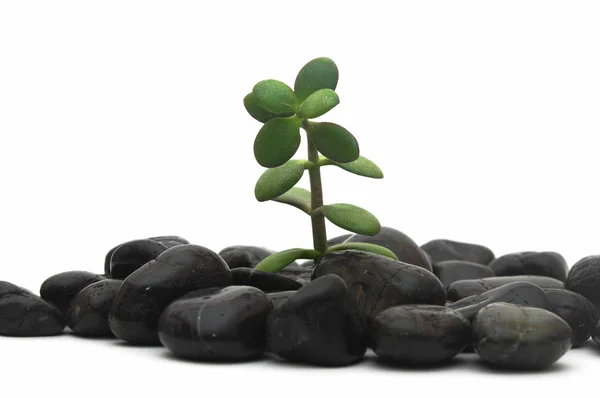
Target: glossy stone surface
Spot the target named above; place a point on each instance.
(376, 282)
(314, 326)
(301, 273)
(59, 289)
(455, 270)
(581, 315)
(520, 293)
(134, 313)
(584, 278)
(465, 288)
(265, 281)
(244, 256)
(170, 240)
(445, 249)
(24, 314)
(216, 324)
(277, 298)
(514, 337)
(130, 256)
(549, 264)
(419, 334)
(399, 243)
(596, 335)
(88, 311)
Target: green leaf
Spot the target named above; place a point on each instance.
(351, 218)
(297, 197)
(277, 181)
(363, 167)
(333, 141)
(258, 112)
(275, 96)
(277, 141)
(365, 247)
(277, 261)
(318, 103)
(318, 74)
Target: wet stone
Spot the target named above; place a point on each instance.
(58, 290)
(455, 270)
(216, 324)
(520, 293)
(244, 256)
(581, 315)
(376, 282)
(170, 240)
(465, 288)
(144, 295)
(314, 326)
(596, 335)
(550, 264)
(515, 337)
(88, 311)
(130, 256)
(584, 278)
(419, 334)
(277, 298)
(301, 273)
(444, 249)
(265, 281)
(24, 314)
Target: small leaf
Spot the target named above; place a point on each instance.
(365, 247)
(277, 261)
(333, 141)
(275, 96)
(258, 112)
(277, 141)
(278, 180)
(318, 103)
(351, 218)
(315, 75)
(363, 167)
(297, 197)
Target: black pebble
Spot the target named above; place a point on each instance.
(130, 256)
(59, 289)
(244, 256)
(314, 326)
(444, 249)
(170, 240)
(88, 311)
(24, 314)
(216, 324)
(265, 281)
(277, 298)
(419, 334)
(465, 288)
(549, 264)
(456, 270)
(134, 313)
(301, 273)
(584, 278)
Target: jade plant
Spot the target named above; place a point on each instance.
(284, 112)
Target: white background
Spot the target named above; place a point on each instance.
(124, 119)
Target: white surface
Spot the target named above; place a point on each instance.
(123, 120)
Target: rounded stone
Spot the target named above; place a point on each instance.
(584, 278)
(170, 240)
(456, 270)
(265, 281)
(419, 334)
(460, 289)
(276, 298)
(88, 311)
(216, 324)
(130, 256)
(58, 290)
(244, 256)
(445, 249)
(515, 337)
(550, 264)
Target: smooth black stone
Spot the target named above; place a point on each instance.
(314, 326)
(444, 249)
(300, 273)
(376, 282)
(134, 313)
(130, 256)
(244, 256)
(170, 240)
(549, 264)
(515, 337)
(419, 334)
(24, 314)
(520, 293)
(59, 289)
(584, 278)
(265, 281)
(456, 270)
(88, 311)
(596, 335)
(338, 239)
(276, 298)
(216, 324)
(465, 288)
(107, 261)
(581, 315)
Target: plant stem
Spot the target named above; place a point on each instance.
(316, 190)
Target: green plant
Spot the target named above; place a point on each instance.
(284, 112)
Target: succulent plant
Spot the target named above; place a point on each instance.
(284, 112)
